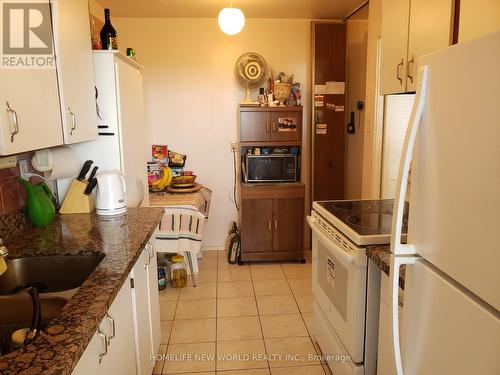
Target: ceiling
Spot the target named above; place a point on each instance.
(299, 9)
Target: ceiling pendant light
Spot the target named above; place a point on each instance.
(231, 20)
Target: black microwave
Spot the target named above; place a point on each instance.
(271, 168)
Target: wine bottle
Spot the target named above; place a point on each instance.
(109, 38)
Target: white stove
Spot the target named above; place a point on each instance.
(341, 230)
(364, 222)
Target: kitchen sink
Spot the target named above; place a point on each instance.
(48, 273)
(34, 290)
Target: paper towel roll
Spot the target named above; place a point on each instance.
(64, 163)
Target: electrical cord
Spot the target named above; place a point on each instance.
(234, 200)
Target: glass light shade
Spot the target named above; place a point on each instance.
(231, 20)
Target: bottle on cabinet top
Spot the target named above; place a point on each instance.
(109, 38)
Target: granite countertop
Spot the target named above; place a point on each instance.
(381, 255)
(59, 347)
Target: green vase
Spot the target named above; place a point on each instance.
(41, 210)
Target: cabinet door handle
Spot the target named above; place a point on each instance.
(269, 225)
(268, 129)
(113, 328)
(410, 68)
(398, 71)
(148, 257)
(73, 121)
(153, 253)
(105, 344)
(274, 126)
(15, 120)
(275, 224)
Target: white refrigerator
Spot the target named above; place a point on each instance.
(451, 319)
(122, 142)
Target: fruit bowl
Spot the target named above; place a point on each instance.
(184, 180)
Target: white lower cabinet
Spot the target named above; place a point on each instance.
(111, 348)
(385, 359)
(129, 335)
(146, 310)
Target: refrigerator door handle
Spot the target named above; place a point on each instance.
(396, 263)
(404, 167)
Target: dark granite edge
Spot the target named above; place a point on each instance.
(381, 255)
(63, 358)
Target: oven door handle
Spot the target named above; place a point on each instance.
(332, 246)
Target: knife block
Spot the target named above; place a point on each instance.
(76, 202)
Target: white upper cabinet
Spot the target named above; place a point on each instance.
(431, 29)
(410, 29)
(478, 17)
(29, 100)
(76, 71)
(394, 46)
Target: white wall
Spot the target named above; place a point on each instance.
(357, 34)
(191, 96)
(373, 126)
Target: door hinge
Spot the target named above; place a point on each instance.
(132, 282)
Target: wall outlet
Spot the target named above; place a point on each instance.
(23, 168)
(233, 145)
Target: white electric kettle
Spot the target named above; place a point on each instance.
(111, 193)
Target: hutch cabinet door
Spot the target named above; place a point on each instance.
(256, 225)
(286, 126)
(288, 219)
(255, 127)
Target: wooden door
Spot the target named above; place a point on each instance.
(286, 126)
(395, 19)
(431, 28)
(288, 219)
(329, 147)
(256, 225)
(76, 70)
(255, 126)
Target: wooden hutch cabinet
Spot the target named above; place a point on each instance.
(262, 124)
(272, 214)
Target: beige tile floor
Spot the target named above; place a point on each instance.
(253, 319)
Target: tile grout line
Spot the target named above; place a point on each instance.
(260, 321)
(216, 313)
(301, 315)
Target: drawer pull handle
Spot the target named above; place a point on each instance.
(267, 127)
(105, 344)
(113, 328)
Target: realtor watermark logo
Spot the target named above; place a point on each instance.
(27, 41)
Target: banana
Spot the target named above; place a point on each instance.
(165, 180)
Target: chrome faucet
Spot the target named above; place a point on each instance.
(3, 249)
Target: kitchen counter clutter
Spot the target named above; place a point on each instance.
(381, 255)
(59, 347)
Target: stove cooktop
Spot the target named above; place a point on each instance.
(363, 221)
